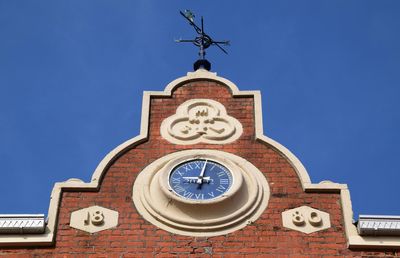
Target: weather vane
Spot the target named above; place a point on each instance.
(203, 41)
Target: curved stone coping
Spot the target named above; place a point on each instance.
(353, 239)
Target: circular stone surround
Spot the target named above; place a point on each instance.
(241, 205)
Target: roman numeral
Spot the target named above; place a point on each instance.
(220, 189)
(179, 173)
(187, 167)
(211, 194)
(175, 180)
(221, 173)
(179, 189)
(197, 164)
(199, 196)
(224, 181)
(188, 194)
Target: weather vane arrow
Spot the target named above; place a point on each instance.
(202, 41)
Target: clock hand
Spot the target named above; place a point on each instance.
(193, 179)
(200, 178)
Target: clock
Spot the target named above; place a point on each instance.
(200, 179)
(200, 192)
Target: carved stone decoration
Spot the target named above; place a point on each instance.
(201, 120)
(94, 219)
(306, 219)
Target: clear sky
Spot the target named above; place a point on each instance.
(72, 75)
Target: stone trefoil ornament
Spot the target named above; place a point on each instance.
(201, 120)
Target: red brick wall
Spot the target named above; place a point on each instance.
(135, 237)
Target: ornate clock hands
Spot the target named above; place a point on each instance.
(200, 178)
(193, 179)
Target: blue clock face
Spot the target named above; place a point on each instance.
(200, 179)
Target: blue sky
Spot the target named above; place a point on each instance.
(72, 75)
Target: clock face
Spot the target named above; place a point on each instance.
(200, 179)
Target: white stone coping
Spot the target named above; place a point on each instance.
(353, 239)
